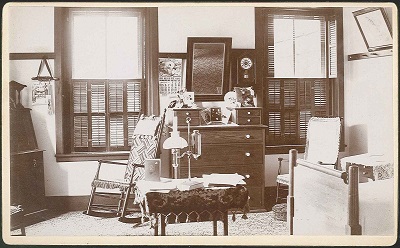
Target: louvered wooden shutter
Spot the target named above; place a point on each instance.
(80, 108)
(133, 107)
(305, 107)
(332, 38)
(105, 114)
(98, 111)
(116, 110)
(290, 105)
(290, 115)
(274, 111)
(270, 46)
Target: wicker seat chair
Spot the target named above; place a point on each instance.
(145, 145)
(322, 147)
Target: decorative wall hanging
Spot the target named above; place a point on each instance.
(171, 69)
(42, 89)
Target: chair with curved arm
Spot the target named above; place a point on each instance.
(145, 145)
(322, 147)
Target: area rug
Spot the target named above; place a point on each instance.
(79, 224)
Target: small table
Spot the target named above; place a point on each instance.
(212, 202)
(371, 166)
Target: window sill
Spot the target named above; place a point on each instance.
(92, 156)
(283, 149)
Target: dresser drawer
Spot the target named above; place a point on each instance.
(248, 112)
(182, 114)
(232, 137)
(247, 116)
(248, 121)
(227, 155)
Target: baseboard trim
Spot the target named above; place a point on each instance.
(67, 203)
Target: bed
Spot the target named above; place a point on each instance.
(325, 201)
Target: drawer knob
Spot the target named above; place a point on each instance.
(187, 113)
(34, 163)
(248, 112)
(247, 154)
(248, 136)
(247, 176)
(248, 120)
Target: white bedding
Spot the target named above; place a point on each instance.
(377, 209)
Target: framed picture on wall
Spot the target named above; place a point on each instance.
(171, 72)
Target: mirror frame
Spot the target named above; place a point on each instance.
(227, 41)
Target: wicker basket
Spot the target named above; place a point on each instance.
(280, 211)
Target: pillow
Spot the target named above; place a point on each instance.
(147, 125)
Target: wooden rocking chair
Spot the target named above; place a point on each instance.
(145, 145)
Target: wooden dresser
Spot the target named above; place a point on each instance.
(231, 149)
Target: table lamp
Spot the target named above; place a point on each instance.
(194, 145)
(175, 143)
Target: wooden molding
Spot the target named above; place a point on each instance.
(30, 56)
(370, 55)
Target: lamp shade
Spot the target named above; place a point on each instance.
(175, 141)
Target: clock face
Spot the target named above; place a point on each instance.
(246, 63)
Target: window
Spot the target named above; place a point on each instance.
(106, 78)
(104, 81)
(301, 76)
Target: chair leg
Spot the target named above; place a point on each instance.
(89, 208)
(125, 203)
(121, 202)
(277, 193)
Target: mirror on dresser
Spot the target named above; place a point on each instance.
(208, 67)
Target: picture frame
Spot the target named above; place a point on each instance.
(188, 98)
(375, 28)
(171, 73)
(206, 115)
(216, 114)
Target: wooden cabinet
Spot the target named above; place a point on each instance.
(231, 149)
(26, 160)
(27, 180)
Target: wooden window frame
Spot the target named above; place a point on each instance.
(336, 91)
(64, 151)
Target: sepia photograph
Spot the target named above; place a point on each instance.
(200, 123)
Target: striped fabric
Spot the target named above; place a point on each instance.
(143, 147)
(105, 184)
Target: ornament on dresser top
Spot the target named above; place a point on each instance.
(183, 99)
(245, 96)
